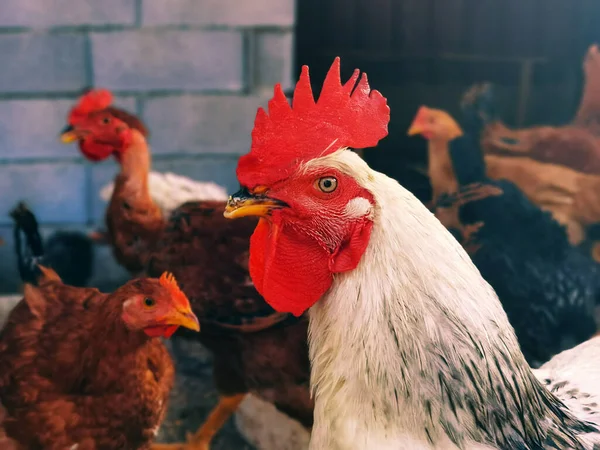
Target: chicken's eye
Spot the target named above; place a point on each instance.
(106, 120)
(149, 302)
(327, 184)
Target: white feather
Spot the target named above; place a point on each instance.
(169, 191)
(574, 377)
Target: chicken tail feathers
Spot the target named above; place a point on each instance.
(28, 245)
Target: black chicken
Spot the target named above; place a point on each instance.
(548, 288)
(69, 253)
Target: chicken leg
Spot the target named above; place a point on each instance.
(201, 439)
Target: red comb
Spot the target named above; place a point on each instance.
(422, 113)
(345, 115)
(93, 100)
(168, 281)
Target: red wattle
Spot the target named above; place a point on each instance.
(289, 269)
(95, 151)
(165, 331)
(292, 271)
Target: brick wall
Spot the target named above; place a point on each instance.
(194, 70)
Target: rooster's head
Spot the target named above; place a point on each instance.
(309, 190)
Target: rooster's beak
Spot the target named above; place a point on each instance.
(243, 203)
(68, 135)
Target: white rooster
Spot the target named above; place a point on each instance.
(410, 348)
(169, 190)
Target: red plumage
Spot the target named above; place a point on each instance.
(345, 115)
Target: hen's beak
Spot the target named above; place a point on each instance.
(182, 317)
(243, 203)
(415, 128)
(68, 135)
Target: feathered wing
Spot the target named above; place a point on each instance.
(169, 191)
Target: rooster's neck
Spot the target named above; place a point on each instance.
(414, 344)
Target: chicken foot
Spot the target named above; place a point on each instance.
(201, 439)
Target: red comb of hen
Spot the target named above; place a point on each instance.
(345, 115)
(168, 281)
(93, 100)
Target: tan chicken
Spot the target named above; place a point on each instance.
(571, 196)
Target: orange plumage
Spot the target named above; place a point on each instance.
(77, 367)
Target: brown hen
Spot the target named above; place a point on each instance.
(255, 348)
(575, 145)
(83, 369)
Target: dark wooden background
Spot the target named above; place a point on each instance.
(430, 51)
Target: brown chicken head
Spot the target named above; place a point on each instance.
(101, 130)
(434, 124)
(156, 306)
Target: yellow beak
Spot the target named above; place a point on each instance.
(415, 128)
(68, 135)
(243, 203)
(184, 318)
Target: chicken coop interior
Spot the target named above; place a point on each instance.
(206, 245)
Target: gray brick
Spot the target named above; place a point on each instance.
(167, 59)
(48, 13)
(219, 12)
(102, 173)
(30, 128)
(220, 170)
(201, 124)
(275, 59)
(56, 192)
(35, 62)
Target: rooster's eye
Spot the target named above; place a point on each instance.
(149, 302)
(106, 120)
(327, 184)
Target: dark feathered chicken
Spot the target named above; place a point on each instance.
(548, 288)
(69, 253)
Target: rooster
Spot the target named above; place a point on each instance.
(209, 256)
(84, 370)
(409, 346)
